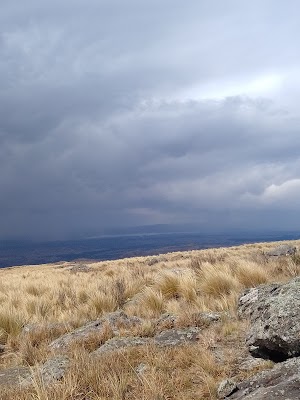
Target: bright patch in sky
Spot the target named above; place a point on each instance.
(265, 85)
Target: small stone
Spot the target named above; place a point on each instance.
(152, 261)
(226, 388)
(141, 368)
(204, 319)
(166, 320)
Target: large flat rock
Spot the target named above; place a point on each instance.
(167, 338)
(176, 337)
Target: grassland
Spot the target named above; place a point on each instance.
(60, 297)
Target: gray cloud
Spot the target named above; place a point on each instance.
(120, 113)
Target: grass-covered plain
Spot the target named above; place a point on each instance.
(60, 297)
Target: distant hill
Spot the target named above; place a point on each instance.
(112, 247)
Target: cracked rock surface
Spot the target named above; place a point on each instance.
(274, 312)
(280, 383)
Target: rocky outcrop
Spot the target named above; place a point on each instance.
(165, 325)
(280, 383)
(47, 373)
(274, 312)
(114, 320)
(167, 338)
(282, 250)
(176, 337)
(250, 299)
(80, 268)
(116, 343)
(166, 320)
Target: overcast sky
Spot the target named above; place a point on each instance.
(122, 113)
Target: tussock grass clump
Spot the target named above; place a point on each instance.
(250, 274)
(151, 303)
(35, 290)
(11, 323)
(169, 285)
(217, 281)
(102, 303)
(296, 259)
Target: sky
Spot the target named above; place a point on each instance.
(121, 113)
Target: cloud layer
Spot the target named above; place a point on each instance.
(118, 113)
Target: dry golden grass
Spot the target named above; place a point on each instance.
(58, 299)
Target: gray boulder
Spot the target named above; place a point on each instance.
(274, 312)
(52, 370)
(115, 320)
(80, 268)
(153, 261)
(280, 383)
(14, 376)
(205, 319)
(282, 250)
(251, 297)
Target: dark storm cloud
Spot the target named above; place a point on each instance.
(120, 113)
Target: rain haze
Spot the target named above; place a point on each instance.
(121, 113)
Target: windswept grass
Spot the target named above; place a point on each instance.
(55, 300)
